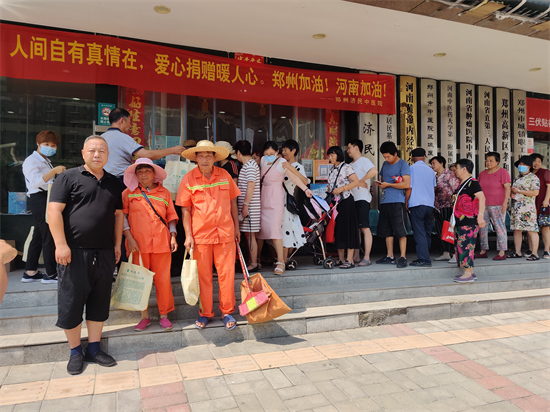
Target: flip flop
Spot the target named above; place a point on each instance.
(533, 257)
(514, 256)
(364, 262)
(202, 319)
(228, 318)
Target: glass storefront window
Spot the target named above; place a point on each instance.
(229, 120)
(199, 118)
(310, 133)
(282, 120)
(256, 125)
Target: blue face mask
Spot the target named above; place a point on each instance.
(523, 169)
(270, 159)
(47, 150)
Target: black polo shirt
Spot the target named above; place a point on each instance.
(90, 205)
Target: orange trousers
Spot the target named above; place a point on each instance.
(223, 256)
(160, 264)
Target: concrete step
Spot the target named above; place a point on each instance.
(26, 348)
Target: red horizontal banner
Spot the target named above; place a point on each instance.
(538, 115)
(41, 54)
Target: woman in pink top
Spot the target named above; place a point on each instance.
(495, 183)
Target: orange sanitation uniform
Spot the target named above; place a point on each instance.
(153, 238)
(214, 234)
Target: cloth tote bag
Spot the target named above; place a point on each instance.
(190, 279)
(133, 286)
(175, 170)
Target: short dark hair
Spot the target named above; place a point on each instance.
(467, 163)
(537, 156)
(337, 150)
(440, 159)
(117, 114)
(270, 144)
(243, 146)
(47, 136)
(358, 143)
(388, 147)
(496, 155)
(291, 145)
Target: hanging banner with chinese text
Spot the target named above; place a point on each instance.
(135, 104)
(41, 54)
(538, 115)
(428, 117)
(368, 133)
(448, 121)
(408, 115)
(485, 119)
(519, 121)
(332, 128)
(502, 116)
(467, 119)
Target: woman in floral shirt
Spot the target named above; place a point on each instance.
(447, 182)
(524, 212)
(469, 207)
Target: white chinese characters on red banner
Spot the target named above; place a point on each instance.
(538, 115)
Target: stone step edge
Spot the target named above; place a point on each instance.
(299, 291)
(116, 331)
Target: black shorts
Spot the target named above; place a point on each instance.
(362, 209)
(392, 220)
(85, 282)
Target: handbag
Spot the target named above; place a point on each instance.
(330, 196)
(133, 286)
(274, 307)
(452, 220)
(291, 204)
(447, 234)
(252, 300)
(544, 217)
(190, 279)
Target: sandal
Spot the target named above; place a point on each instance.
(253, 267)
(364, 262)
(202, 319)
(228, 318)
(278, 270)
(533, 257)
(514, 256)
(347, 265)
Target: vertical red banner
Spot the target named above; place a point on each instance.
(332, 127)
(135, 103)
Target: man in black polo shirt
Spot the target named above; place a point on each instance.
(86, 220)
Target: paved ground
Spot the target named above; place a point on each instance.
(483, 363)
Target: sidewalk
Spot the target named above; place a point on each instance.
(483, 363)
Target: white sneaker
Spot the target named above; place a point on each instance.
(444, 256)
(452, 260)
(546, 255)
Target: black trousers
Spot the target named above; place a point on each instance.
(42, 239)
(440, 216)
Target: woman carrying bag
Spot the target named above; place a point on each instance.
(150, 229)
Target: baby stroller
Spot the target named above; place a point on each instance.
(320, 213)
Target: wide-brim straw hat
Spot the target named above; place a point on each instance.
(189, 143)
(130, 178)
(220, 152)
(228, 146)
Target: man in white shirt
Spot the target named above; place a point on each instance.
(365, 170)
(123, 148)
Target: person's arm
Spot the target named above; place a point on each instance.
(354, 182)
(57, 229)
(55, 171)
(173, 233)
(248, 197)
(531, 193)
(405, 184)
(370, 174)
(7, 254)
(235, 216)
(189, 241)
(506, 197)
(546, 199)
(119, 224)
(288, 166)
(132, 243)
(407, 197)
(480, 216)
(297, 179)
(157, 154)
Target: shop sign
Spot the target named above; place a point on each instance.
(448, 121)
(408, 113)
(135, 104)
(502, 117)
(428, 116)
(368, 133)
(519, 118)
(103, 112)
(485, 113)
(332, 128)
(538, 115)
(467, 119)
(42, 54)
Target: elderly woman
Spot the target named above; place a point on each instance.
(468, 211)
(495, 183)
(447, 183)
(524, 212)
(150, 229)
(341, 180)
(39, 173)
(272, 199)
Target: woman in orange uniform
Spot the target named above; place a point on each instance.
(150, 229)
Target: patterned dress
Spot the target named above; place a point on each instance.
(524, 211)
(292, 230)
